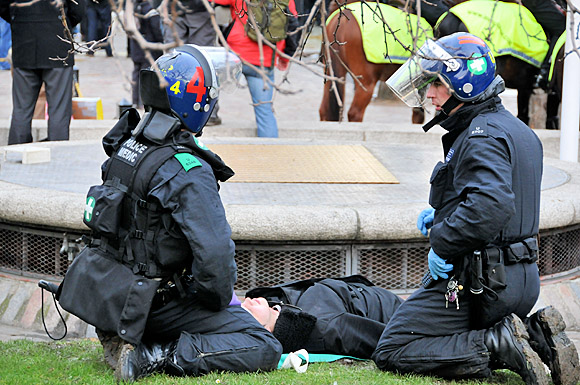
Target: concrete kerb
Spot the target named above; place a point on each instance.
(378, 132)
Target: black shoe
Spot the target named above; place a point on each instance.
(112, 345)
(144, 360)
(507, 341)
(548, 339)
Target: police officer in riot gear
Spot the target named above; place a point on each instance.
(482, 224)
(160, 271)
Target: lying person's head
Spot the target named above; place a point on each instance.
(289, 324)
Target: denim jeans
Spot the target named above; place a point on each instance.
(262, 99)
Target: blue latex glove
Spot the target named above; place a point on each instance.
(437, 266)
(425, 220)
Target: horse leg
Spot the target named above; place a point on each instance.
(362, 98)
(552, 106)
(555, 93)
(329, 109)
(524, 95)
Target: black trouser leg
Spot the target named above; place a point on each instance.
(424, 336)
(25, 89)
(59, 83)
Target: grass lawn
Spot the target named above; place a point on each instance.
(80, 361)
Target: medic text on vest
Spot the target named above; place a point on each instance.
(130, 150)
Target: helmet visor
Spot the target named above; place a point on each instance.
(228, 67)
(411, 81)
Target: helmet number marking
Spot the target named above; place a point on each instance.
(199, 88)
(175, 88)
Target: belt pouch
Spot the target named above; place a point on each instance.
(494, 269)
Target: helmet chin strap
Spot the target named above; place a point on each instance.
(443, 114)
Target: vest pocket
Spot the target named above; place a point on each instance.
(104, 209)
(438, 182)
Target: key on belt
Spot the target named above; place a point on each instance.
(451, 295)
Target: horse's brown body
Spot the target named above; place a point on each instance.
(347, 50)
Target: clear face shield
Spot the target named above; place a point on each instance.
(227, 65)
(411, 81)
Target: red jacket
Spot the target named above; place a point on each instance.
(240, 43)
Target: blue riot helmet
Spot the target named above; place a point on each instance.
(462, 61)
(192, 89)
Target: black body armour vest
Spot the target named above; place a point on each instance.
(127, 226)
(142, 228)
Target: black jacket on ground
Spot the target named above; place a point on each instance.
(37, 29)
(351, 312)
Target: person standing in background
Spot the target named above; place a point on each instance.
(192, 24)
(41, 56)
(99, 23)
(148, 23)
(249, 51)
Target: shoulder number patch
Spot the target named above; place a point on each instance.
(478, 127)
(187, 161)
(477, 131)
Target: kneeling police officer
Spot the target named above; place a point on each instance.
(157, 278)
(483, 221)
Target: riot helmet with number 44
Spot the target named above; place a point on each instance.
(192, 90)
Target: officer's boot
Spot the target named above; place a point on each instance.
(146, 359)
(112, 345)
(507, 341)
(548, 339)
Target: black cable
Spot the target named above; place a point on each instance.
(59, 313)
